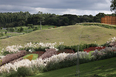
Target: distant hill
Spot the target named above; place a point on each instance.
(67, 34)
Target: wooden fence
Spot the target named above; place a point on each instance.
(109, 20)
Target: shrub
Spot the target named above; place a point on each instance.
(6, 52)
(10, 29)
(24, 71)
(35, 28)
(5, 32)
(1, 34)
(61, 60)
(65, 60)
(61, 47)
(0, 61)
(82, 46)
(21, 72)
(1, 28)
(11, 74)
(40, 49)
(20, 29)
(30, 26)
(99, 24)
(108, 52)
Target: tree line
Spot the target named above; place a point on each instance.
(15, 19)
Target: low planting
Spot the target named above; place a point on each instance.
(61, 60)
(101, 68)
(56, 61)
(31, 47)
(105, 53)
(100, 24)
(93, 48)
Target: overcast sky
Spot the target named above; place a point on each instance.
(60, 7)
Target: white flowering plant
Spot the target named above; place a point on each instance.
(60, 60)
(112, 40)
(105, 53)
(29, 47)
(46, 64)
(11, 49)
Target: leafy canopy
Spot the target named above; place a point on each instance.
(113, 5)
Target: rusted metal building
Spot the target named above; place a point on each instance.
(109, 20)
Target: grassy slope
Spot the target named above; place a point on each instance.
(69, 35)
(101, 68)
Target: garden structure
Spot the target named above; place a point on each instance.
(109, 20)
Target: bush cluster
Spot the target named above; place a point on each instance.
(82, 46)
(21, 72)
(99, 24)
(108, 52)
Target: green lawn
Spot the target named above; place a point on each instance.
(102, 68)
(35, 56)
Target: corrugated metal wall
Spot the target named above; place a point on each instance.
(109, 20)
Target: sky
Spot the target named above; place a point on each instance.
(59, 7)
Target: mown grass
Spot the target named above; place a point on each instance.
(102, 68)
(70, 35)
(35, 56)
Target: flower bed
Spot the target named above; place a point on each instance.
(46, 64)
(66, 51)
(93, 48)
(62, 57)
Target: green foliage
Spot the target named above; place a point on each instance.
(105, 44)
(61, 47)
(40, 49)
(10, 29)
(6, 52)
(5, 32)
(91, 69)
(65, 63)
(1, 28)
(35, 28)
(25, 18)
(1, 34)
(29, 48)
(11, 74)
(20, 29)
(99, 24)
(24, 71)
(75, 47)
(0, 62)
(82, 46)
(30, 26)
(113, 5)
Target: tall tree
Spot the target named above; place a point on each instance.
(98, 17)
(113, 6)
(40, 18)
